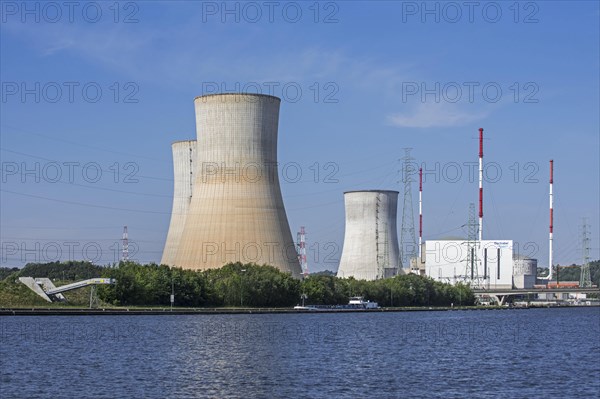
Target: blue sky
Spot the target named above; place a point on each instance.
(374, 77)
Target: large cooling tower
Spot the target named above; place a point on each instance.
(371, 241)
(184, 162)
(237, 211)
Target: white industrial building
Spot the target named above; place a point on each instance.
(450, 261)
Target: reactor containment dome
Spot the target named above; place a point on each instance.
(371, 248)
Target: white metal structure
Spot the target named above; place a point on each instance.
(125, 241)
(408, 245)
(184, 162)
(237, 211)
(45, 288)
(302, 251)
(371, 248)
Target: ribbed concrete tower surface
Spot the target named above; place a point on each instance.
(237, 212)
(371, 239)
(184, 162)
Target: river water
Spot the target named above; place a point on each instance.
(535, 353)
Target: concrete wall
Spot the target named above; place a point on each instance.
(371, 238)
(446, 261)
(524, 281)
(184, 162)
(237, 211)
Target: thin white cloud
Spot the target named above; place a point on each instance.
(141, 53)
(109, 44)
(428, 115)
(60, 45)
(177, 56)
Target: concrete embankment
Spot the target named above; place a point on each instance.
(209, 311)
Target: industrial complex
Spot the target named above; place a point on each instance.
(228, 207)
(371, 244)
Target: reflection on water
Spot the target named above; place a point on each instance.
(522, 353)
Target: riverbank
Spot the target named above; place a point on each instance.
(133, 311)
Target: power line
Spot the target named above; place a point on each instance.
(53, 160)
(84, 204)
(81, 144)
(408, 242)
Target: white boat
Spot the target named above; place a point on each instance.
(359, 301)
(355, 303)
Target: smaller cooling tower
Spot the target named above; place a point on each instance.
(184, 162)
(371, 240)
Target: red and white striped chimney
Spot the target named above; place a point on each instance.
(550, 254)
(480, 184)
(420, 212)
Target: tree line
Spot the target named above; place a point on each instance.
(60, 271)
(247, 285)
(250, 285)
(573, 272)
